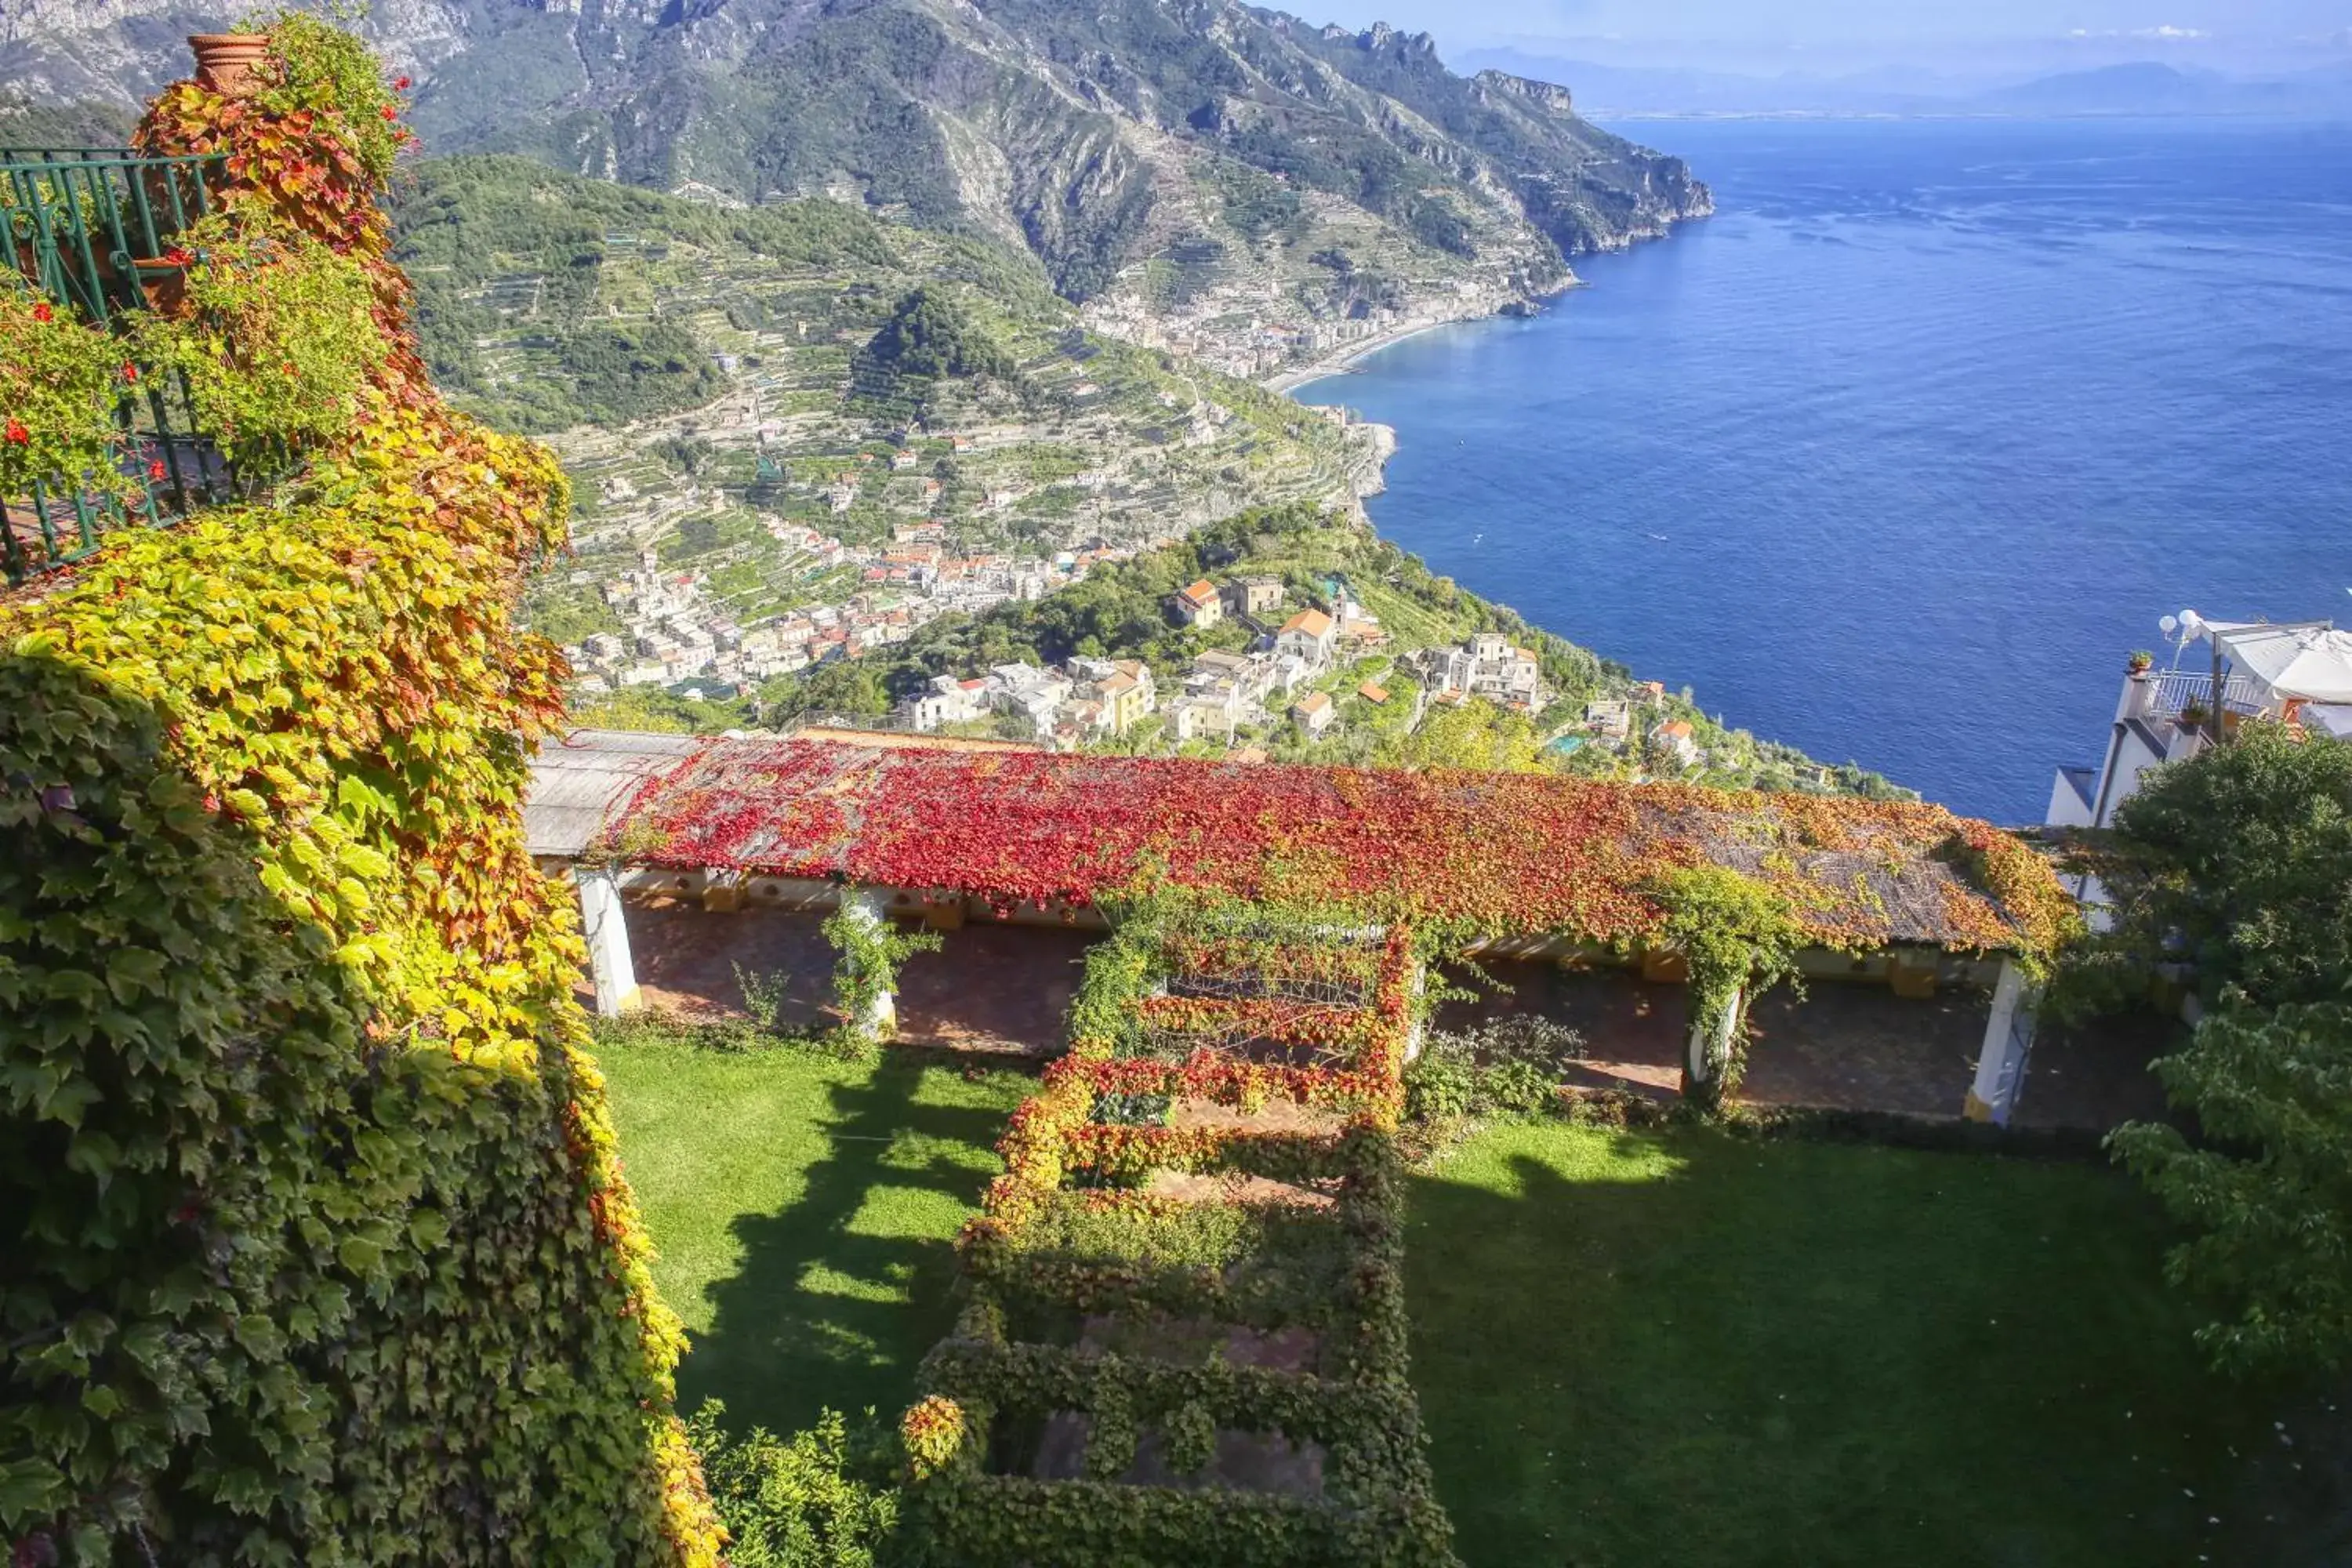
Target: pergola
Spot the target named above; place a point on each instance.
(1524, 865)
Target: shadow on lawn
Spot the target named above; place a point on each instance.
(822, 1314)
(1812, 1355)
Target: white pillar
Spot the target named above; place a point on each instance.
(867, 908)
(2008, 1034)
(1417, 1035)
(1708, 1049)
(607, 930)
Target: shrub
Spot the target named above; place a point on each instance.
(1510, 1067)
(814, 1500)
(61, 381)
(278, 340)
(1439, 1086)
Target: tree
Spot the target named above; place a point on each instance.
(2236, 865)
(2230, 868)
(2271, 1195)
(930, 334)
(1474, 734)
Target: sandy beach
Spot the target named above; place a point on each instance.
(1340, 361)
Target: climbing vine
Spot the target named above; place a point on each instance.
(330, 1259)
(1739, 937)
(277, 339)
(62, 380)
(868, 952)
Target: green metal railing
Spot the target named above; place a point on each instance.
(90, 227)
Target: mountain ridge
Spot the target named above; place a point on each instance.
(1205, 168)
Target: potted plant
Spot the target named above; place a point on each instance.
(2140, 661)
(230, 64)
(276, 335)
(62, 382)
(2194, 713)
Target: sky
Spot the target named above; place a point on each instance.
(1772, 36)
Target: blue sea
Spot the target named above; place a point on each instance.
(1898, 457)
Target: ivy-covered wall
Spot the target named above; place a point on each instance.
(313, 1245)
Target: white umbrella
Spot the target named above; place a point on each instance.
(2310, 659)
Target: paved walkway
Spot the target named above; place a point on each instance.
(1846, 1046)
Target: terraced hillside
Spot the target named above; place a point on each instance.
(712, 379)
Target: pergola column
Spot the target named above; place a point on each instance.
(1707, 1052)
(1417, 1035)
(868, 909)
(607, 930)
(2009, 1036)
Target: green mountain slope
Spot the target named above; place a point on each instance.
(719, 380)
(1207, 174)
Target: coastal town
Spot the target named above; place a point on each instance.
(676, 632)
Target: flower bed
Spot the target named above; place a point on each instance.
(1058, 1257)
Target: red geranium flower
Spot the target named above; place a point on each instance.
(18, 434)
(130, 371)
(400, 86)
(156, 470)
(177, 257)
(41, 312)
(390, 113)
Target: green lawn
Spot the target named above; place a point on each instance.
(1675, 1350)
(1695, 1351)
(803, 1210)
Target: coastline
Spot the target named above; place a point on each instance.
(1344, 360)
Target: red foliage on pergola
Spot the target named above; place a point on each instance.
(1508, 853)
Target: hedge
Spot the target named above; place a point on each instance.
(1070, 1232)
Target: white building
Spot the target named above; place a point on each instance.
(2223, 672)
(1307, 636)
(1486, 666)
(2298, 672)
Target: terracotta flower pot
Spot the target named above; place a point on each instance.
(229, 63)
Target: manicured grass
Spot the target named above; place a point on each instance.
(1698, 1350)
(803, 1210)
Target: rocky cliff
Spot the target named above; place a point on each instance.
(1244, 182)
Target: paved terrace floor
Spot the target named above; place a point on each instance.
(1007, 988)
(1853, 1046)
(991, 987)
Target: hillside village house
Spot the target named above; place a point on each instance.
(1487, 666)
(1123, 687)
(1314, 713)
(1676, 736)
(1253, 596)
(1087, 698)
(948, 701)
(1307, 636)
(1198, 605)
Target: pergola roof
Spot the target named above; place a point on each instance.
(1514, 853)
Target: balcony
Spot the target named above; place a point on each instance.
(2173, 692)
(91, 227)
